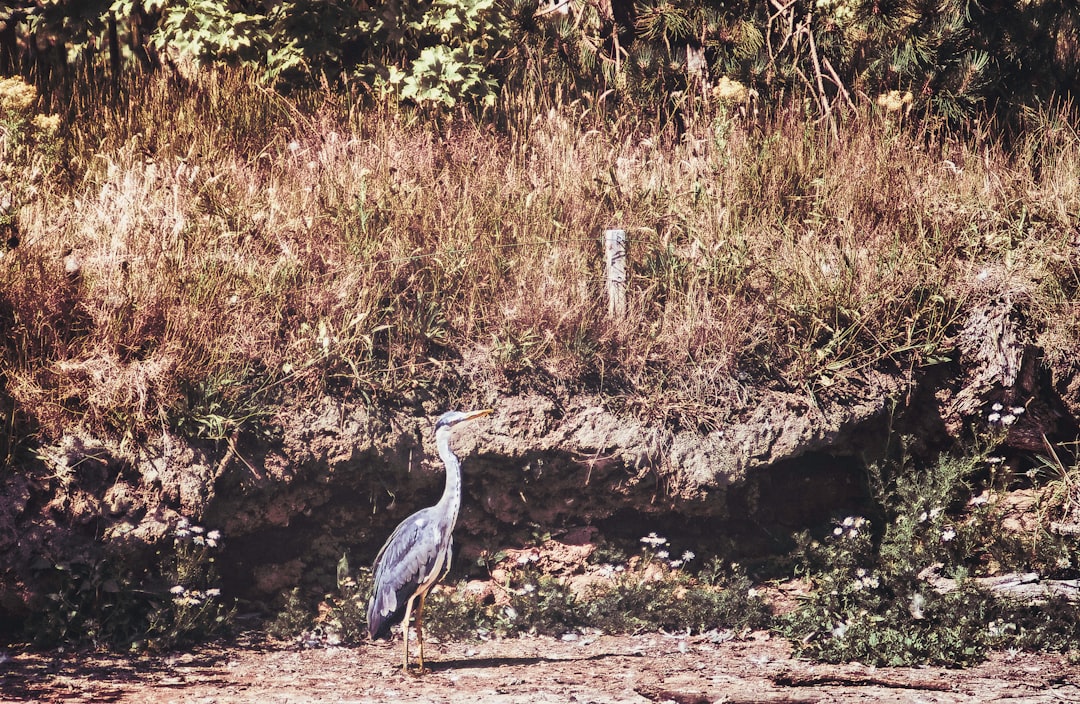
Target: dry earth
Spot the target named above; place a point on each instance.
(538, 670)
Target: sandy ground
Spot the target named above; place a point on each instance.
(601, 669)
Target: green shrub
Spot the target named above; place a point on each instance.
(871, 601)
(107, 602)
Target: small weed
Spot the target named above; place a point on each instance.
(345, 615)
(293, 619)
(340, 617)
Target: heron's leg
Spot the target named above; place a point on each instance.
(420, 627)
(405, 632)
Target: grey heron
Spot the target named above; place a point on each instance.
(417, 554)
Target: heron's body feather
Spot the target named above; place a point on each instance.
(412, 559)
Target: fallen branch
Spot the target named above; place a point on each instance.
(1028, 588)
(807, 679)
(658, 694)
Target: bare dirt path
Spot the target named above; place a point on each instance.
(640, 669)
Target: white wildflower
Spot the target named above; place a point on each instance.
(688, 556)
(838, 531)
(948, 534)
(213, 593)
(997, 407)
(994, 417)
(662, 554)
(214, 535)
(1008, 419)
(849, 521)
(1017, 410)
(922, 517)
(915, 606)
(178, 589)
(654, 540)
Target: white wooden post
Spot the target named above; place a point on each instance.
(615, 255)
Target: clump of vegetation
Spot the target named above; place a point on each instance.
(345, 614)
(196, 610)
(649, 592)
(340, 617)
(872, 599)
(629, 601)
(679, 602)
(294, 617)
(106, 602)
(275, 249)
(531, 603)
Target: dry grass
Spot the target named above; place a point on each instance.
(235, 246)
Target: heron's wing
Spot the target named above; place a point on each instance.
(409, 557)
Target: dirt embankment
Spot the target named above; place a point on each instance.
(334, 478)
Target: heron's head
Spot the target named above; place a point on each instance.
(452, 418)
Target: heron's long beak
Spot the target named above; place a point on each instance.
(470, 415)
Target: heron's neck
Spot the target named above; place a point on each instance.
(451, 497)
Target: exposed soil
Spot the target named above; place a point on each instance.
(640, 668)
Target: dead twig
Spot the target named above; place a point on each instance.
(804, 679)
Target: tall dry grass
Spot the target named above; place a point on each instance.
(236, 249)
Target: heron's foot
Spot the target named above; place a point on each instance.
(419, 671)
